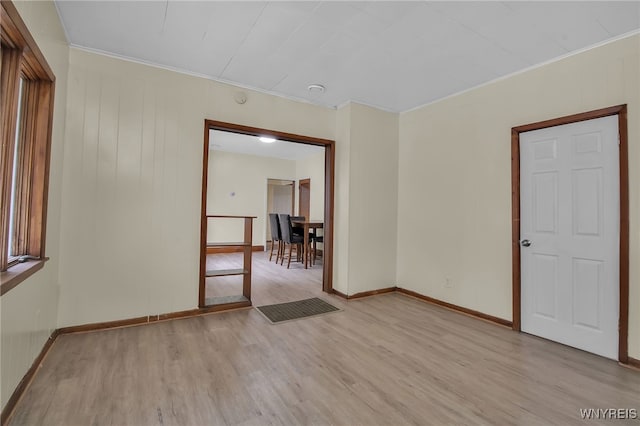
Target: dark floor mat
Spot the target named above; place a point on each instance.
(294, 310)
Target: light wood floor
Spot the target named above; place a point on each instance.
(383, 360)
(271, 283)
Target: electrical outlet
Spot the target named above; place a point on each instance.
(448, 283)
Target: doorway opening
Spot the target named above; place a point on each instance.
(304, 199)
(280, 199)
(623, 221)
(233, 191)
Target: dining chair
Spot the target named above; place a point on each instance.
(316, 239)
(298, 229)
(288, 237)
(276, 236)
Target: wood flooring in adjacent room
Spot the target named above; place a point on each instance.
(382, 360)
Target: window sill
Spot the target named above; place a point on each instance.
(18, 273)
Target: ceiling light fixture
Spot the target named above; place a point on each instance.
(316, 88)
(267, 139)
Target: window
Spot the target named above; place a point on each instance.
(26, 112)
(14, 253)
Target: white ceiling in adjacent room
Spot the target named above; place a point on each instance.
(395, 55)
(251, 145)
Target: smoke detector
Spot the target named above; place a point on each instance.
(316, 88)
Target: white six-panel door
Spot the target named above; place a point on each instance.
(569, 203)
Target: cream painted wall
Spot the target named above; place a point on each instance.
(373, 182)
(366, 195)
(132, 182)
(312, 168)
(281, 199)
(454, 208)
(341, 200)
(246, 176)
(29, 311)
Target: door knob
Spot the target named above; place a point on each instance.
(525, 243)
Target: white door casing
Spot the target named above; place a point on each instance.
(570, 211)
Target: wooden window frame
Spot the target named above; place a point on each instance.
(22, 59)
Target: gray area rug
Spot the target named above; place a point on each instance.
(281, 312)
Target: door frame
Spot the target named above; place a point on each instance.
(302, 182)
(329, 177)
(621, 112)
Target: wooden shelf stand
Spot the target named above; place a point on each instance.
(245, 271)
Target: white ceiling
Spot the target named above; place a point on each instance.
(245, 144)
(393, 55)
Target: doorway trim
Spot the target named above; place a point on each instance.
(301, 183)
(329, 177)
(621, 112)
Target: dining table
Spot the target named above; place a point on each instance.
(307, 225)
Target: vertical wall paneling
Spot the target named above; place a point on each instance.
(137, 219)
